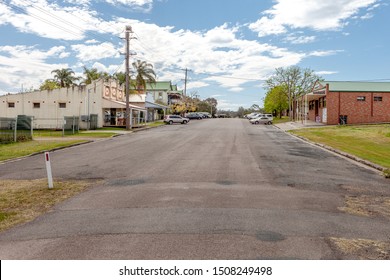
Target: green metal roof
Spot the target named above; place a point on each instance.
(358, 86)
(159, 86)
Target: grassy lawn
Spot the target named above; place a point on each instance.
(82, 133)
(23, 200)
(280, 120)
(369, 142)
(19, 149)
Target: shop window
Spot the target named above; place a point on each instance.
(361, 98)
(378, 98)
(11, 104)
(62, 105)
(36, 105)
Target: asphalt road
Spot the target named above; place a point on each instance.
(212, 189)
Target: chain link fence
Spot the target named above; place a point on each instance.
(16, 129)
(23, 128)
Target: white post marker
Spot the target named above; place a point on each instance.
(48, 169)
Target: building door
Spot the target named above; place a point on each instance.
(316, 108)
(113, 116)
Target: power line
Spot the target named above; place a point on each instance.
(59, 19)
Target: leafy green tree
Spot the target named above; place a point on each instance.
(145, 74)
(276, 100)
(211, 105)
(297, 81)
(65, 77)
(49, 84)
(93, 74)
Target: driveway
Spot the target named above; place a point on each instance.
(212, 189)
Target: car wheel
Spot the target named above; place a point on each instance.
(170, 122)
(269, 122)
(184, 122)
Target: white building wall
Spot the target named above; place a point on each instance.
(78, 101)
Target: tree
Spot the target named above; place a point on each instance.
(145, 74)
(49, 84)
(297, 81)
(212, 105)
(121, 77)
(255, 108)
(276, 100)
(64, 77)
(93, 74)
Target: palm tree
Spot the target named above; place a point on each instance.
(121, 77)
(145, 74)
(64, 77)
(93, 74)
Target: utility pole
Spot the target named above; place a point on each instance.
(185, 80)
(127, 83)
(185, 83)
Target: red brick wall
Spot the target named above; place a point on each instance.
(367, 111)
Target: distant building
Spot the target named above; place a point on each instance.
(346, 103)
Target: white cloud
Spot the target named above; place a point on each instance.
(24, 65)
(196, 85)
(95, 52)
(227, 105)
(324, 53)
(314, 14)
(323, 73)
(300, 39)
(139, 5)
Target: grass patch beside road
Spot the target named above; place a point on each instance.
(156, 123)
(277, 120)
(20, 149)
(24, 200)
(369, 142)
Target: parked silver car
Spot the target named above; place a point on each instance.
(171, 119)
(262, 120)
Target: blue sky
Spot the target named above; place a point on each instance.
(230, 46)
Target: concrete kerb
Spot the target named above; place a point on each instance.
(336, 151)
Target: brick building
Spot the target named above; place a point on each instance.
(346, 103)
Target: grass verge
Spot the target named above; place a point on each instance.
(277, 120)
(369, 142)
(363, 249)
(24, 200)
(156, 123)
(20, 149)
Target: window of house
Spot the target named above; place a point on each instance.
(377, 98)
(361, 98)
(11, 104)
(160, 95)
(36, 105)
(324, 102)
(62, 104)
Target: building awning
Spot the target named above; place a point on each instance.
(314, 96)
(119, 105)
(155, 105)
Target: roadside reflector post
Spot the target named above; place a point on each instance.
(48, 169)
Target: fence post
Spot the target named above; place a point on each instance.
(63, 126)
(16, 128)
(31, 127)
(73, 125)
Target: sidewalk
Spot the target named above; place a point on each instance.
(298, 125)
